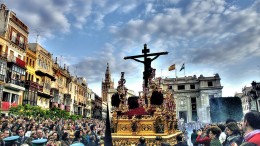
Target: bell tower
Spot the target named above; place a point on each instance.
(107, 84)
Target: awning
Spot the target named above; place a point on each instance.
(40, 73)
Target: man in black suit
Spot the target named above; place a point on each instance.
(21, 138)
(180, 142)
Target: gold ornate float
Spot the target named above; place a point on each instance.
(151, 114)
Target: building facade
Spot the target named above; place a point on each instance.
(44, 74)
(60, 87)
(14, 36)
(192, 95)
(107, 85)
(251, 97)
(30, 95)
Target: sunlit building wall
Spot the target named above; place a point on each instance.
(192, 95)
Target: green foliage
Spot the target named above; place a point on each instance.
(225, 108)
(40, 113)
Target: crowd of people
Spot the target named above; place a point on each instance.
(232, 133)
(90, 132)
(59, 132)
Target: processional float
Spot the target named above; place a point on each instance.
(152, 114)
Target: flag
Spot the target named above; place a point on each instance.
(172, 67)
(182, 67)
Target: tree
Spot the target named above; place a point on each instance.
(38, 113)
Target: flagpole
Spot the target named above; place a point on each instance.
(184, 69)
(176, 73)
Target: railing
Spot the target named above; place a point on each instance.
(7, 105)
(29, 83)
(16, 60)
(16, 82)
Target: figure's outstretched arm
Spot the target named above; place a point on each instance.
(137, 60)
(155, 57)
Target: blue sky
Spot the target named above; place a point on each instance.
(210, 36)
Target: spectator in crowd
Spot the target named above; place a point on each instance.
(203, 137)
(51, 141)
(141, 141)
(56, 139)
(21, 138)
(31, 138)
(94, 133)
(65, 139)
(30, 129)
(223, 136)
(78, 137)
(214, 133)
(194, 136)
(180, 142)
(233, 134)
(251, 127)
(71, 132)
(40, 134)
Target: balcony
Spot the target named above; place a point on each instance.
(16, 60)
(7, 105)
(15, 84)
(30, 84)
(42, 74)
(3, 55)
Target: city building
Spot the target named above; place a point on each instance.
(78, 90)
(192, 95)
(3, 47)
(14, 36)
(44, 74)
(255, 96)
(88, 103)
(30, 95)
(250, 97)
(97, 108)
(107, 85)
(60, 91)
(245, 98)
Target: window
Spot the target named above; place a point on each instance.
(210, 84)
(14, 36)
(181, 87)
(192, 86)
(2, 68)
(169, 87)
(211, 96)
(33, 63)
(11, 54)
(21, 42)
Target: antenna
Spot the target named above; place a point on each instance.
(37, 32)
(75, 71)
(37, 38)
(60, 59)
